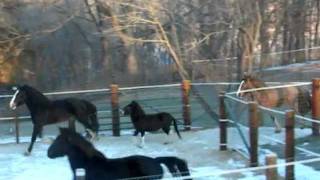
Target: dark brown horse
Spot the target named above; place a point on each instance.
(294, 97)
(44, 111)
(143, 122)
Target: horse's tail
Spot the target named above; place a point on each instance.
(175, 165)
(92, 113)
(304, 101)
(78, 106)
(175, 125)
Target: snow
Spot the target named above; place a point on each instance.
(199, 148)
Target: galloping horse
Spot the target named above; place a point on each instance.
(82, 154)
(143, 122)
(296, 98)
(44, 111)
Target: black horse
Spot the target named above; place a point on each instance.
(143, 122)
(82, 154)
(44, 111)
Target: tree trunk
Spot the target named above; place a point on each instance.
(248, 38)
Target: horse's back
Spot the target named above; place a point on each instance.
(153, 122)
(144, 166)
(127, 167)
(80, 105)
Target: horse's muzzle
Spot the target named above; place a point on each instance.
(13, 106)
(121, 112)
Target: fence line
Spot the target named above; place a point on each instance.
(278, 141)
(296, 147)
(268, 110)
(254, 55)
(101, 90)
(269, 87)
(142, 87)
(236, 99)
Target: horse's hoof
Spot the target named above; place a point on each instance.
(27, 153)
(166, 143)
(90, 135)
(277, 131)
(302, 127)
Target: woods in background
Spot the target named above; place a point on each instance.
(61, 44)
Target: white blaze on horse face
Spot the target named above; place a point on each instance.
(239, 89)
(12, 104)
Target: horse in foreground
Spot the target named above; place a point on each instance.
(296, 98)
(143, 122)
(44, 111)
(82, 154)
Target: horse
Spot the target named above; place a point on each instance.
(296, 98)
(82, 154)
(143, 122)
(44, 111)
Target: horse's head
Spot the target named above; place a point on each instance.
(70, 141)
(61, 145)
(24, 94)
(246, 83)
(19, 97)
(128, 109)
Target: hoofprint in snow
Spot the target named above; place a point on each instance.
(199, 148)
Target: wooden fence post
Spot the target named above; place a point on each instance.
(315, 105)
(17, 129)
(115, 110)
(80, 174)
(253, 132)
(185, 87)
(271, 173)
(223, 123)
(289, 148)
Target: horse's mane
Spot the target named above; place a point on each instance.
(137, 107)
(34, 94)
(256, 81)
(81, 143)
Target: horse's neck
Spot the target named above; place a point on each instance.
(86, 153)
(36, 100)
(77, 159)
(263, 97)
(139, 112)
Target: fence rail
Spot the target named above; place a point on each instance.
(289, 117)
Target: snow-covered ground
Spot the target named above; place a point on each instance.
(199, 148)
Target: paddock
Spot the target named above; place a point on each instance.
(211, 148)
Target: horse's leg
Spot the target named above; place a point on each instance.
(167, 131)
(277, 124)
(142, 139)
(90, 134)
(35, 132)
(135, 134)
(72, 124)
(40, 135)
(296, 108)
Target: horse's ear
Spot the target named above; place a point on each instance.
(246, 75)
(133, 102)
